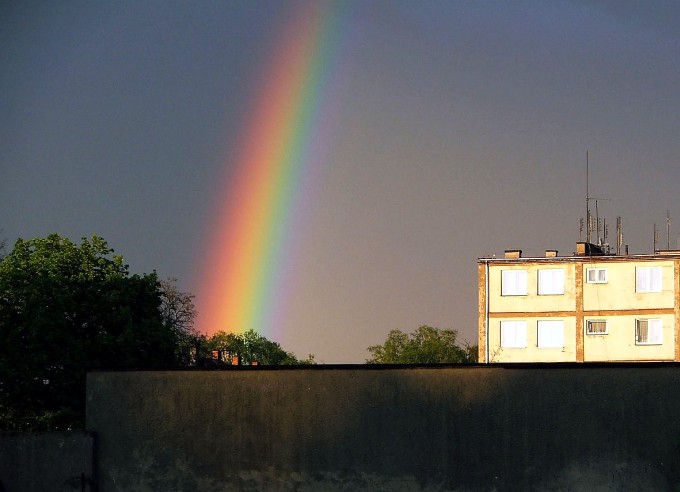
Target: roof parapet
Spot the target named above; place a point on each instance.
(667, 252)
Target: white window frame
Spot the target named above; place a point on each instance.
(599, 275)
(550, 333)
(551, 281)
(597, 333)
(648, 279)
(654, 328)
(513, 334)
(513, 282)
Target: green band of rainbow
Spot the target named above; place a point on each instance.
(241, 288)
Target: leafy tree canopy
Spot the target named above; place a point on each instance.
(250, 347)
(65, 309)
(427, 345)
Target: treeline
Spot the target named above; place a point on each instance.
(66, 309)
(249, 348)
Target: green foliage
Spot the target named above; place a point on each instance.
(66, 309)
(427, 345)
(250, 347)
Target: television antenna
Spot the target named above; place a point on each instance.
(593, 224)
(656, 237)
(668, 229)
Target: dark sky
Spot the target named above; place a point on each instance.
(461, 130)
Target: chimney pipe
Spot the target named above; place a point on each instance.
(513, 253)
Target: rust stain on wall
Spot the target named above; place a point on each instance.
(676, 307)
(481, 287)
(578, 280)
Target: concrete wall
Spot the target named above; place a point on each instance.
(50, 461)
(575, 427)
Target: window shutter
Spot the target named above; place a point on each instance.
(655, 279)
(513, 334)
(655, 331)
(551, 333)
(514, 282)
(642, 279)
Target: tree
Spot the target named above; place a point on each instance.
(427, 345)
(177, 308)
(66, 309)
(250, 347)
(3, 245)
(179, 313)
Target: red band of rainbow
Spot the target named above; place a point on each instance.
(241, 282)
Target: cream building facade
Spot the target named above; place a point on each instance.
(587, 307)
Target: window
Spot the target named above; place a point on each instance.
(513, 334)
(551, 334)
(648, 332)
(551, 281)
(596, 327)
(514, 283)
(596, 275)
(648, 279)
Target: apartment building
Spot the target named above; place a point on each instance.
(586, 307)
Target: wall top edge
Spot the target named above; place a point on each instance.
(393, 367)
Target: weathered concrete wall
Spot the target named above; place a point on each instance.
(47, 461)
(370, 428)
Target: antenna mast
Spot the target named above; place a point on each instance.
(668, 229)
(588, 219)
(598, 225)
(593, 224)
(656, 237)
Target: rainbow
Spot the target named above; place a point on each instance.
(241, 287)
